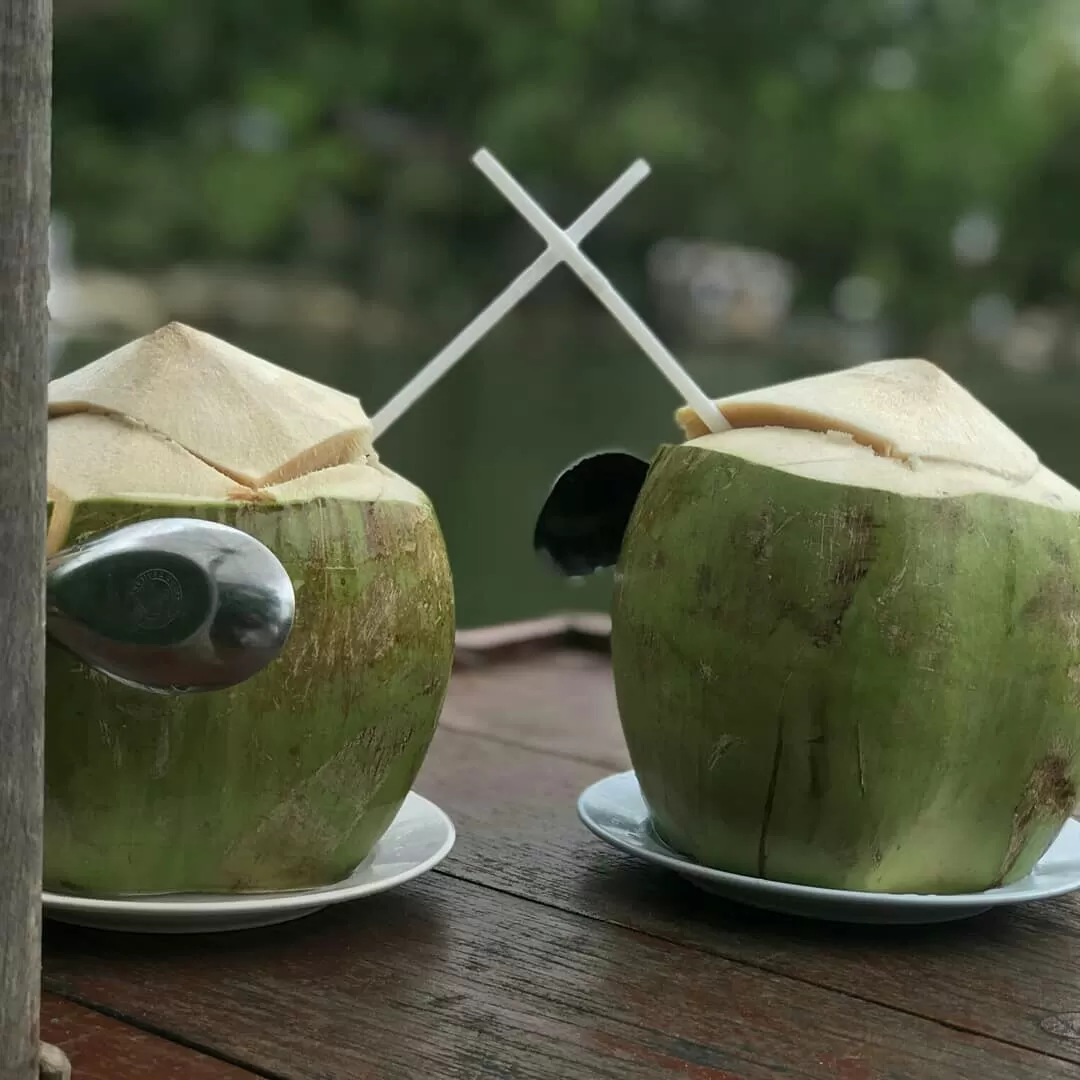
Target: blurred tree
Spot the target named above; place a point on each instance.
(903, 139)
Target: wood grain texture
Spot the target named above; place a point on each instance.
(1013, 975)
(537, 953)
(561, 700)
(25, 72)
(452, 980)
(102, 1048)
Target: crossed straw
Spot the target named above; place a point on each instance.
(562, 247)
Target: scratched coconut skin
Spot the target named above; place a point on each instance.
(846, 637)
(288, 779)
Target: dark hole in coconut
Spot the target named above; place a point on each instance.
(581, 524)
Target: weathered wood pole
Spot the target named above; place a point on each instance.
(25, 138)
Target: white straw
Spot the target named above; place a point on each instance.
(527, 280)
(563, 245)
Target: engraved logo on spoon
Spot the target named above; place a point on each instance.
(155, 598)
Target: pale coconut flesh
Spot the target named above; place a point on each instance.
(846, 637)
(287, 780)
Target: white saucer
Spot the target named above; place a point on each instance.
(615, 811)
(419, 838)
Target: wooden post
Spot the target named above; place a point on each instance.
(25, 137)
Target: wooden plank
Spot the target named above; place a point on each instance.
(562, 701)
(102, 1048)
(568, 630)
(448, 979)
(1012, 975)
(25, 77)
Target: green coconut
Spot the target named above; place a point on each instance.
(287, 780)
(846, 637)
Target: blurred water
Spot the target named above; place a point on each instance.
(491, 437)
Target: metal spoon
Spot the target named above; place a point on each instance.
(171, 605)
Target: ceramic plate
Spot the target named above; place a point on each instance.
(615, 811)
(419, 838)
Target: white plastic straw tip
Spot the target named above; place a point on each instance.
(486, 161)
(712, 418)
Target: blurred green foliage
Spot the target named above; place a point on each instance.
(848, 136)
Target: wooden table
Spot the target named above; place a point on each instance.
(537, 953)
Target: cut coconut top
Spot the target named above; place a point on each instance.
(837, 458)
(245, 417)
(91, 455)
(105, 456)
(901, 409)
(361, 482)
(180, 417)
